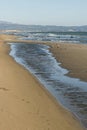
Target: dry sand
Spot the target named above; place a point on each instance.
(24, 103)
(72, 57)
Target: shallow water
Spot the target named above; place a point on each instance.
(70, 92)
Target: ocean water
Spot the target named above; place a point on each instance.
(70, 92)
(74, 37)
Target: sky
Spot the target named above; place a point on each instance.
(44, 12)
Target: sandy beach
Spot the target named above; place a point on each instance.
(72, 57)
(24, 102)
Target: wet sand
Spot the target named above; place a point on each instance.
(24, 102)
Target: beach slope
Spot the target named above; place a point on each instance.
(24, 102)
(72, 57)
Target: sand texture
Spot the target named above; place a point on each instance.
(72, 57)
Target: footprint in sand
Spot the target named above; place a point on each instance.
(25, 101)
(4, 89)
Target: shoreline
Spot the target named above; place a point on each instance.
(53, 92)
(30, 101)
(63, 52)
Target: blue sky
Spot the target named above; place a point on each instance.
(44, 12)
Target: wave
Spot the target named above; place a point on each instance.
(71, 92)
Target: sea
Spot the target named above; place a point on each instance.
(70, 92)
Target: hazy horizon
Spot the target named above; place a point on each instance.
(44, 12)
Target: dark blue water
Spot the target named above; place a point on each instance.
(70, 92)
